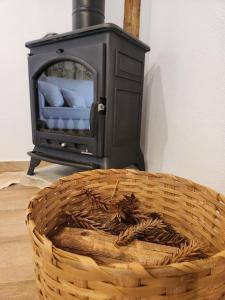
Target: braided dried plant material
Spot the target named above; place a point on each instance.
(166, 236)
(163, 237)
(129, 203)
(95, 199)
(94, 213)
(133, 232)
(118, 214)
(155, 215)
(128, 210)
(114, 224)
(123, 214)
(188, 252)
(122, 218)
(154, 231)
(81, 219)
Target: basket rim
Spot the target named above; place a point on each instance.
(154, 174)
(191, 267)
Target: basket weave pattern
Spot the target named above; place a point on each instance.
(194, 210)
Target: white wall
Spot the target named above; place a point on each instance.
(183, 128)
(21, 21)
(184, 109)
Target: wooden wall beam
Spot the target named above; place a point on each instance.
(132, 17)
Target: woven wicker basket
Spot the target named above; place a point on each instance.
(195, 211)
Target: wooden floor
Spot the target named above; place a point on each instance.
(16, 270)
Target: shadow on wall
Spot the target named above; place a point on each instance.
(154, 122)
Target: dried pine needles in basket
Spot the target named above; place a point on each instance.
(110, 230)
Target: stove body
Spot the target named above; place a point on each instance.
(86, 90)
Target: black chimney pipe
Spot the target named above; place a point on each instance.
(88, 13)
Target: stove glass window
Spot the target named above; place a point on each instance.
(65, 99)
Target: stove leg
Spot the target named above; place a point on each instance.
(140, 164)
(34, 162)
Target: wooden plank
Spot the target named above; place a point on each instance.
(17, 166)
(21, 290)
(16, 267)
(12, 224)
(14, 239)
(16, 273)
(8, 250)
(13, 166)
(17, 263)
(16, 197)
(132, 17)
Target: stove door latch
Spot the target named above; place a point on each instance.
(101, 107)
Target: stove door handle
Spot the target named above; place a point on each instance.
(93, 116)
(101, 107)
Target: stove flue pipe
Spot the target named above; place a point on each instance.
(88, 13)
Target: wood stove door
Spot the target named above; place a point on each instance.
(69, 92)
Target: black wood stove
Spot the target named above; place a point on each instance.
(86, 91)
